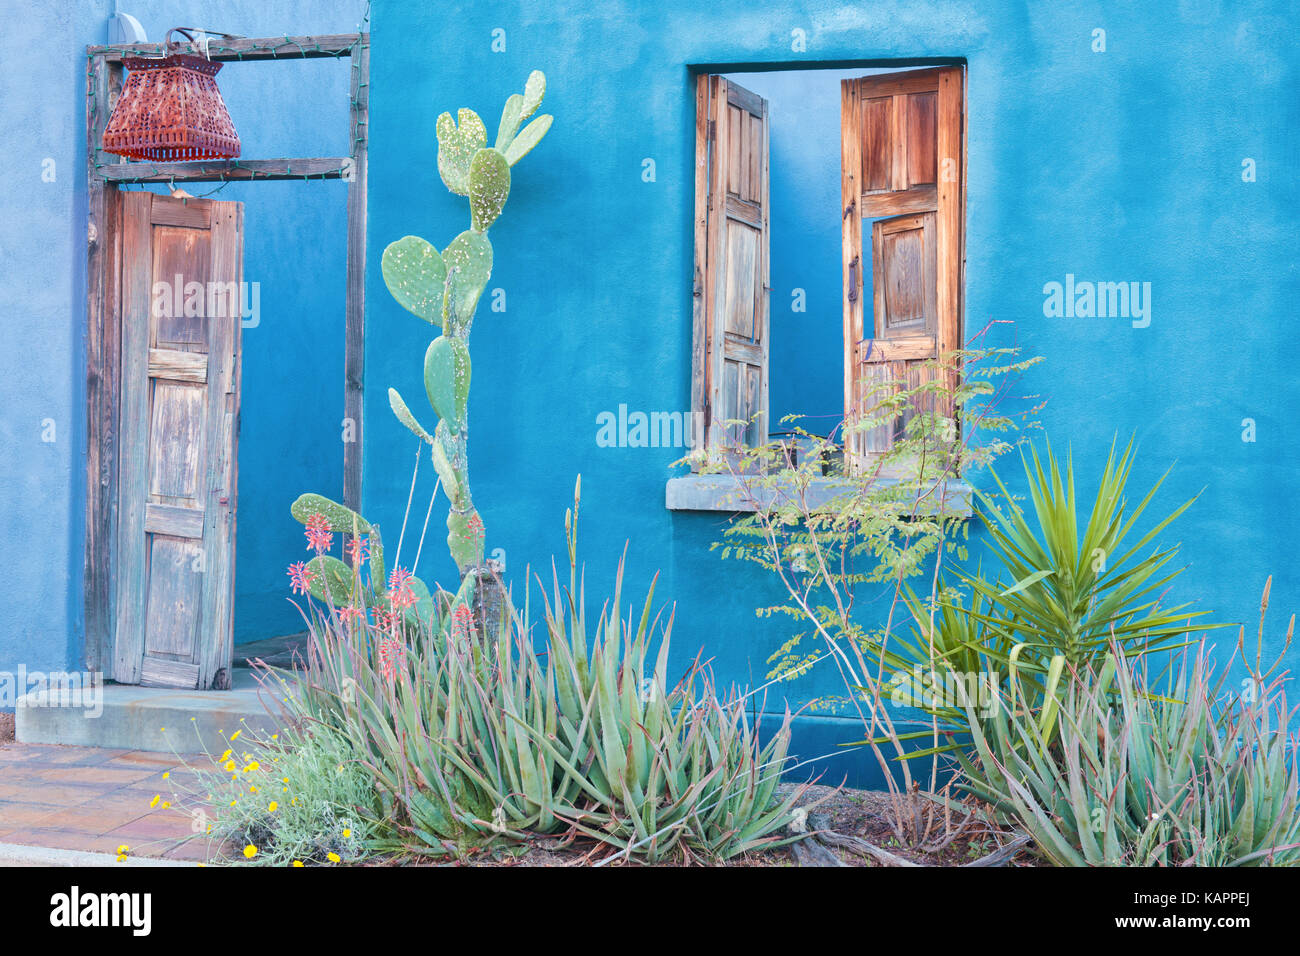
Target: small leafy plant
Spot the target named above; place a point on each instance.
(294, 798)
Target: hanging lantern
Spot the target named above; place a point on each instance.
(171, 110)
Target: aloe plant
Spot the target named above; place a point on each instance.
(1146, 773)
(476, 743)
(443, 288)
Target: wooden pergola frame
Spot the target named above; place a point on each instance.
(103, 337)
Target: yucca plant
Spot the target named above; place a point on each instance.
(1145, 773)
(1075, 592)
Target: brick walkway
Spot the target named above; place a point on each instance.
(86, 798)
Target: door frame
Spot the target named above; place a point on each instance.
(104, 177)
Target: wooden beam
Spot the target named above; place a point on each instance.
(851, 264)
(103, 81)
(246, 48)
(354, 359)
(699, 292)
(214, 170)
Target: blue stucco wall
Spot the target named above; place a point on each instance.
(1123, 165)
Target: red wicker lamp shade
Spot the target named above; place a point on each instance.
(171, 110)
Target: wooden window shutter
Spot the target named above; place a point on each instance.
(730, 354)
(903, 173)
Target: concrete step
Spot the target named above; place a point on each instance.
(161, 719)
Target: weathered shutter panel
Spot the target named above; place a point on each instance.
(179, 426)
(730, 376)
(902, 170)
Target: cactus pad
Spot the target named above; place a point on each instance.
(415, 275)
(528, 137)
(489, 185)
(405, 417)
(341, 519)
(470, 255)
(457, 146)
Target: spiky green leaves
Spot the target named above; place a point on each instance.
(470, 256)
(457, 146)
(446, 377)
(489, 185)
(416, 275)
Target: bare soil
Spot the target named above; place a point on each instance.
(866, 815)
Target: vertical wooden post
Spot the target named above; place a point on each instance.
(103, 335)
(355, 358)
(851, 264)
(699, 291)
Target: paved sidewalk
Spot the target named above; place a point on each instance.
(93, 799)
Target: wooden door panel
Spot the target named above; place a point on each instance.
(922, 139)
(172, 625)
(179, 406)
(744, 280)
(176, 446)
(178, 319)
(903, 280)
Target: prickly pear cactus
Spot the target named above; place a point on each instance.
(444, 289)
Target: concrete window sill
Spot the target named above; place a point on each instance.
(724, 493)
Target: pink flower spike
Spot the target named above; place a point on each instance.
(462, 621)
(358, 549)
(319, 537)
(351, 613)
(300, 577)
(391, 656)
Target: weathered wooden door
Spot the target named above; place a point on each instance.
(903, 163)
(731, 263)
(181, 289)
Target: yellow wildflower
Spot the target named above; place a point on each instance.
(154, 802)
(332, 857)
(250, 851)
(272, 806)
